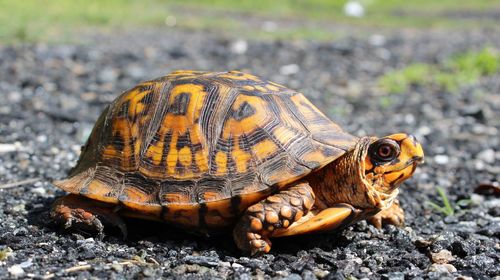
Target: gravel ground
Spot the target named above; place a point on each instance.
(52, 94)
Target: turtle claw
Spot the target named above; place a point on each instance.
(393, 215)
(77, 213)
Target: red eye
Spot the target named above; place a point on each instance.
(383, 150)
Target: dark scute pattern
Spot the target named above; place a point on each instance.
(244, 111)
(180, 104)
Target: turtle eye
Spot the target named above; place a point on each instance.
(384, 150)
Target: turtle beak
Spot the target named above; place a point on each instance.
(412, 146)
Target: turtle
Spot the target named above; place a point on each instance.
(222, 152)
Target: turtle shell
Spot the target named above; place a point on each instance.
(197, 148)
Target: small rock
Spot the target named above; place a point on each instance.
(39, 190)
(377, 40)
(441, 257)
(321, 273)
(289, 69)
(236, 265)
(16, 271)
(108, 75)
(443, 268)
(136, 72)
(7, 148)
(487, 156)
(239, 46)
(117, 267)
(441, 159)
(395, 276)
(201, 260)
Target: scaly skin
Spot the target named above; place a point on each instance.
(79, 213)
(276, 211)
(393, 215)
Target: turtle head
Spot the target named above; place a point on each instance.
(390, 160)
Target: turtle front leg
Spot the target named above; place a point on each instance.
(393, 215)
(278, 211)
(80, 213)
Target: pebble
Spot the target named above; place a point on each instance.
(443, 268)
(7, 148)
(441, 159)
(239, 46)
(441, 257)
(16, 271)
(289, 69)
(487, 156)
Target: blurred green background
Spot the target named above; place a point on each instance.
(63, 20)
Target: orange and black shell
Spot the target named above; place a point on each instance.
(198, 148)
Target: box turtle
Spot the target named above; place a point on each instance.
(217, 151)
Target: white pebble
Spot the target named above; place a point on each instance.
(7, 148)
(41, 138)
(423, 130)
(239, 46)
(441, 159)
(487, 156)
(289, 69)
(16, 271)
(39, 190)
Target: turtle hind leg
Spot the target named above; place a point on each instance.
(79, 213)
(278, 211)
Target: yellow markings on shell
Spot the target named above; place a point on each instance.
(110, 152)
(234, 127)
(240, 76)
(172, 155)
(315, 155)
(121, 127)
(176, 198)
(155, 152)
(240, 157)
(264, 149)
(249, 88)
(136, 107)
(201, 161)
(284, 134)
(221, 161)
(99, 191)
(308, 111)
(185, 156)
(272, 87)
(261, 88)
(211, 196)
(139, 201)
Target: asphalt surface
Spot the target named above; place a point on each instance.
(52, 94)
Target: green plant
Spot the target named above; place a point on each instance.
(4, 253)
(447, 209)
(450, 75)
